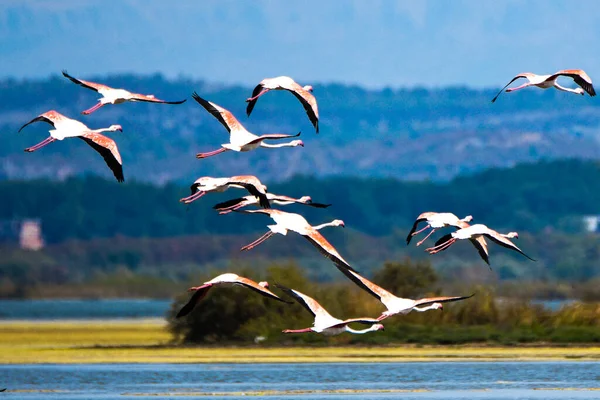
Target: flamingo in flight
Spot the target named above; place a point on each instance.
(225, 279)
(474, 232)
(114, 96)
(231, 205)
(302, 93)
(285, 222)
(208, 184)
(324, 323)
(65, 127)
(547, 81)
(397, 305)
(435, 221)
(239, 138)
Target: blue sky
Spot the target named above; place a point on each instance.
(369, 43)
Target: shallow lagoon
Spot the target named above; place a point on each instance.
(431, 380)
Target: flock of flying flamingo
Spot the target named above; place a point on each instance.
(241, 140)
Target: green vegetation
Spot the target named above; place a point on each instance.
(237, 315)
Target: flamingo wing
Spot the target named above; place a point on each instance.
(326, 248)
(108, 150)
(414, 229)
(310, 105)
(253, 190)
(229, 203)
(40, 118)
(225, 117)
(374, 290)
(198, 295)
(89, 85)
(504, 242)
(481, 246)
(446, 299)
(152, 99)
(307, 302)
(272, 136)
(250, 284)
(508, 84)
(580, 78)
(259, 88)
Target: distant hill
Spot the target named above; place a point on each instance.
(405, 134)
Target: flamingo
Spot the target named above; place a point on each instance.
(225, 279)
(548, 81)
(208, 184)
(303, 93)
(231, 205)
(324, 323)
(114, 96)
(435, 221)
(474, 232)
(65, 127)
(239, 138)
(397, 305)
(296, 223)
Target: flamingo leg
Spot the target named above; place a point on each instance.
(210, 153)
(425, 238)
(257, 96)
(227, 210)
(91, 110)
(195, 196)
(441, 247)
(43, 143)
(421, 230)
(297, 330)
(257, 241)
(382, 317)
(523, 86)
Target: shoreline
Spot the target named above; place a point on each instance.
(147, 341)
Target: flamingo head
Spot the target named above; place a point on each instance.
(338, 222)
(579, 91)
(437, 306)
(295, 143)
(113, 128)
(468, 218)
(308, 88)
(511, 235)
(264, 284)
(378, 327)
(305, 199)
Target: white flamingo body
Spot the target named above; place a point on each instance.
(547, 81)
(302, 93)
(475, 234)
(235, 204)
(207, 184)
(239, 138)
(435, 221)
(297, 223)
(324, 322)
(394, 304)
(114, 96)
(225, 279)
(65, 127)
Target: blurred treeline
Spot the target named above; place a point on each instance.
(100, 231)
(230, 314)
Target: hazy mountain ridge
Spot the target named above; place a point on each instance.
(408, 133)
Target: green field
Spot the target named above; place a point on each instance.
(147, 341)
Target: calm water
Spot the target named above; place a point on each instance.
(435, 380)
(83, 309)
(110, 308)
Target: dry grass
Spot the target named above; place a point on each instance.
(147, 341)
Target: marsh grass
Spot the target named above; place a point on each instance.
(148, 341)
